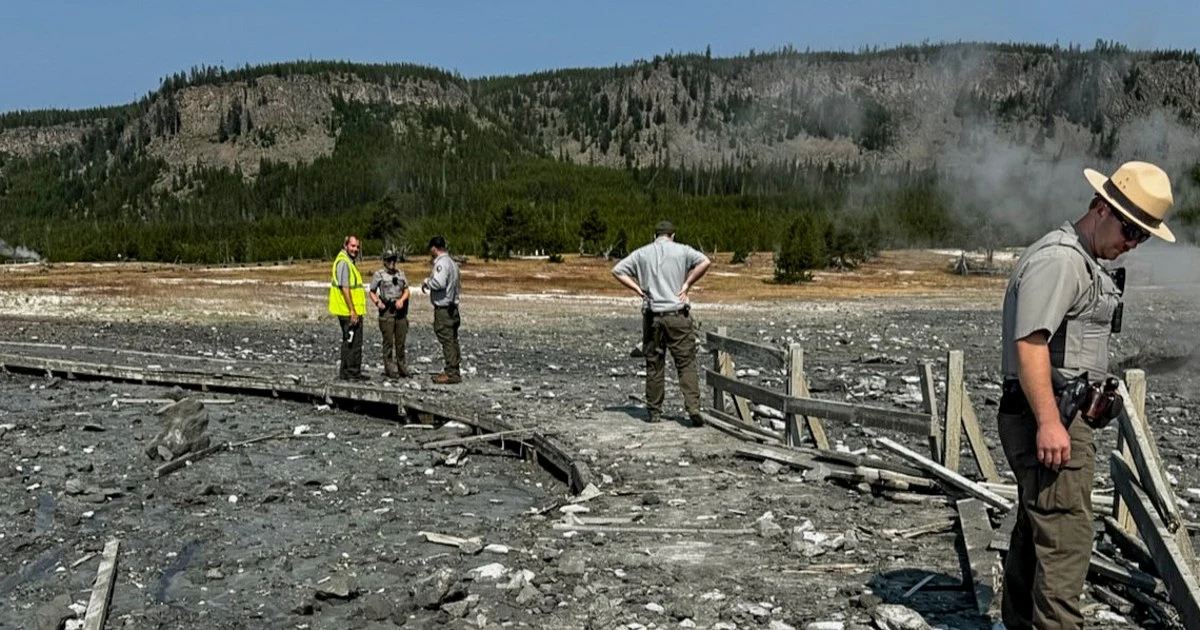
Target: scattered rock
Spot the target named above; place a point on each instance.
(897, 617)
(825, 625)
(376, 607)
(457, 609)
(214, 574)
(493, 571)
(184, 423)
(572, 565)
(337, 587)
(527, 595)
(436, 588)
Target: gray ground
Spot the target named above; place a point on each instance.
(349, 507)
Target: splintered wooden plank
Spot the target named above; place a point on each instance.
(731, 426)
(1135, 380)
(739, 400)
(948, 476)
(1172, 564)
(102, 590)
(758, 395)
(929, 401)
(798, 388)
(910, 422)
(719, 359)
(983, 457)
(983, 566)
(1150, 474)
(777, 454)
(954, 404)
(766, 356)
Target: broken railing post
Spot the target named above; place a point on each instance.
(954, 394)
(1135, 380)
(797, 387)
(929, 399)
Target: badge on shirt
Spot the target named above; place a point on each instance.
(437, 268)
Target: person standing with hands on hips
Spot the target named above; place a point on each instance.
(662, 273)
(443, 288)
(1060, 309)
(348, 301)
(389, 293)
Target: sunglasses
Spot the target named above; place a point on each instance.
(1131, 231)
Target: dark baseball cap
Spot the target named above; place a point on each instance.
(664, 227)
(438, 242)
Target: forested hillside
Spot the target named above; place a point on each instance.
(824, 156)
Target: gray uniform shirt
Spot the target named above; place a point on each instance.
(660, 269)
(443, 283)
(1059, 287)
(390, 286)
(383, 286)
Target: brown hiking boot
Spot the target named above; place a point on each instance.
(447, 379)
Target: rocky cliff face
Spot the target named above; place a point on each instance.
(906, 108)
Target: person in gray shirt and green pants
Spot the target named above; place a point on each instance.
(662, 273)
(444, 287)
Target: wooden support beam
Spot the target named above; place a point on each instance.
(982, 568)
(948, 476)
(929, 402)
(908, 422)
(1172, 563)
(1150, 473)
(728, 424)
(766, 356)
(754, 393)
(1135, 381)
(616, 529)
(1128, 542)
(777, 454)
(983, 457)
(485, 437)
(185, 460)
(954, 398)
(797, 387)
(102, 589)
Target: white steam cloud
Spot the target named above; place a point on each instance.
(18, 253)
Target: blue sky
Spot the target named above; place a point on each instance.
(91, 53)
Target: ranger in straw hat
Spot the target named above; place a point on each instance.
(1060, 309)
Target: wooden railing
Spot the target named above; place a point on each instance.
(799, 408)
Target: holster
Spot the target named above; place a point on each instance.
(1097, 404)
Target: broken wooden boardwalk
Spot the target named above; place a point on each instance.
(300, 382)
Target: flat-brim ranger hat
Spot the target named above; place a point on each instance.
(1141, 192)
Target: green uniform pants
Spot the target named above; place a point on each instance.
(352, 343)
(446, 321)
(1051, 544)
(395, 334)
(662, 332)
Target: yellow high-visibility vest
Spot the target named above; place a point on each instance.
(337, 302)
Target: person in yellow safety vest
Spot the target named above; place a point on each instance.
(348, 301)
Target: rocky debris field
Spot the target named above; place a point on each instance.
(343, 520)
